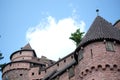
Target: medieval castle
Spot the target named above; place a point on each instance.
(96, 58)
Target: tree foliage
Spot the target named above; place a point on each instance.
(1, 65)
(76, 36)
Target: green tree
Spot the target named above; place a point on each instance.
(76, 36)
(1, 65)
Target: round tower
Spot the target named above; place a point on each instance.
(18, 68)
(26, 53)
(99, 52)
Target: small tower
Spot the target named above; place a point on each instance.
(26, 53)
(24, 64)
(18, 68)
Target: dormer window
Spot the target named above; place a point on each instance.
(110, 46)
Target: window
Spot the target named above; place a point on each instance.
(21, 74)
(72, 56)
(20, 52)
(109, 46)
(57, 64)
(64, 61)
(39, 72)
(80, 55)
(31, 64)
(71, 72)
(91, 53)
(33, 73)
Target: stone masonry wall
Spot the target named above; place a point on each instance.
(17, 74)
(20, 55)
(98, 63)
(18, 65)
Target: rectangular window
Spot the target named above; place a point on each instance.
(71, 72)
(80, 55)
(21, 74)
(109, 46)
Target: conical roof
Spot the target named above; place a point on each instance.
(27, 46)
(99, 30)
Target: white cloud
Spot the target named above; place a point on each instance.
(50, 38)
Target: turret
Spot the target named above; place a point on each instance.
(26, 53)
(98, 52)
(19, 66)
(24, 64)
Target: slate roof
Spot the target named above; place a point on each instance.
(100, 30)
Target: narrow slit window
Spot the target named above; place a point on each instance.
(91, 53)
(21, 74)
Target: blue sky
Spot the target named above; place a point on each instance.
(23, 21)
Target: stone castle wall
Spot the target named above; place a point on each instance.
(16, 74)
(98, 63)
(21, 55)
(61, 64)
(18, 65)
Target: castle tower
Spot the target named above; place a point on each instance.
(26, 53)
(99, 52)
(19, 67)
(25, 65)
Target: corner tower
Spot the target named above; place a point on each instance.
(18, 68)
(99, 52)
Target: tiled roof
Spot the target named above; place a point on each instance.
(99, 30)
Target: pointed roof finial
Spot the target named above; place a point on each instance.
(97, 10)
